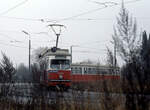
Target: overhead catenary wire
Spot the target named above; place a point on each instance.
(104, 19)
(89, 48)
(72, 17)
(4, 35)
(34, 33)
(89, 52)
(94, 10)
(78, 51)
(27, 19)
(132, 1)
(94, 42)
(85, 47)
(14, 7)
(13, 40)
(81, 14)
(11, 45)
(75, 19)
(105, 3)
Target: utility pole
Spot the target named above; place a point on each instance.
(115, 60)
(71, 50)
(29, 55)
(71, 53)
(29, 49)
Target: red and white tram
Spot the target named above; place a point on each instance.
(57, 69)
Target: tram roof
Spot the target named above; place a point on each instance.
(49, 52)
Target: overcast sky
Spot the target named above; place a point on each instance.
(90, 31)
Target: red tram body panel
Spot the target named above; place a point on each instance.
(91, 73)
(61, 77)
(92, 78)
(58, 70)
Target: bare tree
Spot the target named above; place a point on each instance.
(110, 58)
(23, 73)
(136, 78)
(37, 52)
(135, 71)
(7, 69)
(125, 35)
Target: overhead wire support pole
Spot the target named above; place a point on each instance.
(29, 54)
(115, 60)
(29, 49)
(72, 51)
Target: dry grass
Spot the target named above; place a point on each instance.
(114, 86)
(106, 99)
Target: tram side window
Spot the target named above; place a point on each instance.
(85, 70)
(72, 70)
(111, 71)
(76, 70)
(98, 71)
(89, 71)
(103, 72)
(118, 72)
(80, 70)
(94, 70)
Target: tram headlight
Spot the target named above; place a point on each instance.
(60, 76)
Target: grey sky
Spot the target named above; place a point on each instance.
(80, 31)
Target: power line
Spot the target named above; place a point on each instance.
(94, 10)
(81, 14)
(6, 44)
(89, 52)
(105, 4)
(82, 45)
(26, 19)
(12, 40)
(104, 19)
(88, 48)
(76, 19)
(92, 19)
(35, 33)
(7, 36)
(79, 46)
(12, 8)
(131, 1)
(94, 42)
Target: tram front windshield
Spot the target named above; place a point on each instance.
(60, 64)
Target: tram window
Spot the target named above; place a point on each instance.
(103, 72)
(89, 70)
(72, 70)
(76, 70)
(85, 70)
(80, 70)
(94, 71)
(98, 71)
(60, 64)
